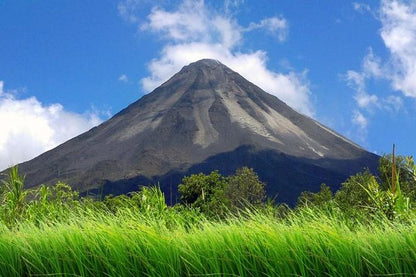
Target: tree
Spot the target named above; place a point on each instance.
(215, 195)
(352, 194)
(362, 195)
(323, 196)
(245, 188)
(206, 192)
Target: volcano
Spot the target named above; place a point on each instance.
(206, 117)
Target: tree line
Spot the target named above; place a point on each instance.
(362, 196)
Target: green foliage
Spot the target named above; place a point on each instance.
(13, 198)
(353, 197)
(119, 202)
(361, 195)
(205, 192)
(216, 195)
(245, 189)
(320, 198)
(405, 171)
(366, 229)
(52, 203)
(151, 201)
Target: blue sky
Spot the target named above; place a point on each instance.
(66, 66)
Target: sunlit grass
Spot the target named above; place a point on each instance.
(51, 231)
(310, 243)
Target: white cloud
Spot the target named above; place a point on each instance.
(193, 22)
(193, 32)
(275, 25)
(359, 119)
(128, 9)
(372, 66)
(123, 78)
(361, 7)
(393, 103)
(357, 81)
(230, 4)
(367, 103)
(398, 32)
(365, 100)
(29, 128)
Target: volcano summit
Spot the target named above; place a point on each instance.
(206, 117)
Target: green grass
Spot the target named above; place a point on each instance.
(308, 243)
(50, 231)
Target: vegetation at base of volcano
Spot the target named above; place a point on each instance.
(223, 226)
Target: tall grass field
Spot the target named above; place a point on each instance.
(362, 230)
(310, 243)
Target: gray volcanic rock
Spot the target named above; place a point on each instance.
(205, 117)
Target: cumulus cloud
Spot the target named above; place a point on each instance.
(29, 128)
(192, 31)
(193, 22)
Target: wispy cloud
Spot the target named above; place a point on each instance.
(359, 119)
(30, 128)
(123, 78)
(229, 5)
(398, 33)
(361, 7)
(128, 10)
(274, 25)
(357, 81)
(193, 31)
(369, 103)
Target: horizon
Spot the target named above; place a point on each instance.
(68, 67)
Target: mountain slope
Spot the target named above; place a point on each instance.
(205, 117)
